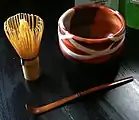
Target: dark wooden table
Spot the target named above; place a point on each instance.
(61, 78)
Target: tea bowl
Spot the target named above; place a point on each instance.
(91, 33)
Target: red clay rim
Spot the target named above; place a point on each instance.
(119, 15)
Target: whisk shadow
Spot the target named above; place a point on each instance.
(45, 90)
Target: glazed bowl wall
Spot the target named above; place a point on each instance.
(91, 33)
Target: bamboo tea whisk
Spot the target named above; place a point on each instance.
(24, 32)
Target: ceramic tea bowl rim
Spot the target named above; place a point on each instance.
(90, 40)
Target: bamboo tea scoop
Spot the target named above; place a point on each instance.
(45, 108)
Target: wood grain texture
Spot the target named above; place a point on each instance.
(61, 78)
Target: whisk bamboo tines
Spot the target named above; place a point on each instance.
(24, 32)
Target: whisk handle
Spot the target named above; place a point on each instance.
(31, 68)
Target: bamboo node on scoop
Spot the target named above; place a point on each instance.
(24, 32)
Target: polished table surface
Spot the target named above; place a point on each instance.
(61, 78)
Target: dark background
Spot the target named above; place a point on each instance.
(48, 10)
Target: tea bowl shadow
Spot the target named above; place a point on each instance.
(82, 76)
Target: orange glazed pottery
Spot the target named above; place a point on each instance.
(91, 33)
